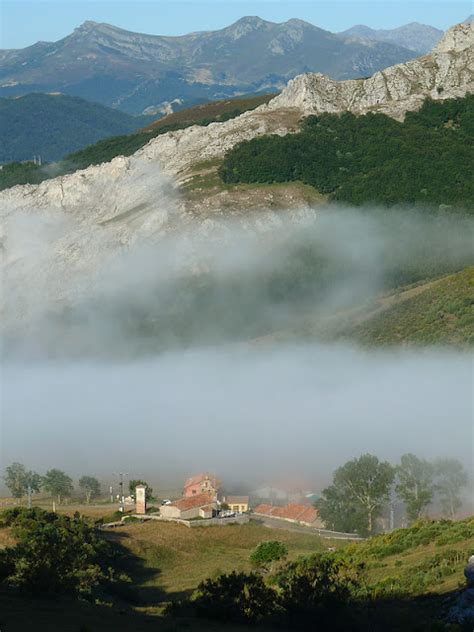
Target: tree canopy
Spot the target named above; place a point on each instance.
(20, 481)
(426, 160)
(450, 478)
(414, 484)
(58, 484)
(357, 495)
(90, 486)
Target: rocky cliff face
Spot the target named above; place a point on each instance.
(58, 234)
(446, 73)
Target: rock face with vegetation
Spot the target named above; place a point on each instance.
(445, 73)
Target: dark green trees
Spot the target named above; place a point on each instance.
(425, 160)
(359, 491)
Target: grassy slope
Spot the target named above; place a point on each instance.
(168, 560)
(215, 110)
(443, 313)
(179, 558)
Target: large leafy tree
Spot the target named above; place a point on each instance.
(339, 512)
(58, 484)
(358, 493)
(21, 481)
(90, 486)
(415, 485)
(450, 478)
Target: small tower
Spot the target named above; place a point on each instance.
(140, 499)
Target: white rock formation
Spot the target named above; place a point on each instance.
(445, 73)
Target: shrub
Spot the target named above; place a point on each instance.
(54, 554)
(265, 553)
(318, 587)
(237, 597)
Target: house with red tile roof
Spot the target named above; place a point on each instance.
(201, 505)
(293, 512)
(201, 484)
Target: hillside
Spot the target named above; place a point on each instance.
(215, 111)
(413, 576)
(124, 145)
(52, 125)
(438, 313)
(426, 159)
(140, 73)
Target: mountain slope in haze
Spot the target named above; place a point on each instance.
(112, 208)
(135, 72)
(419, 38)
(52, 125)
(437, 313)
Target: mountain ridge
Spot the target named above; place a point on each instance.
(134, 71)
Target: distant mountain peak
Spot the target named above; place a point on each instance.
(414, 36)
(247, 24)
(88, 25)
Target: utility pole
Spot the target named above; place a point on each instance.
(122, 497)
(29, 491)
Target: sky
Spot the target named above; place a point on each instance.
(24, 22)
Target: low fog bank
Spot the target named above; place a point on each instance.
(137, 357)
(247, 412)
(217, 280)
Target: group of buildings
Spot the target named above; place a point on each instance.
(202, 499)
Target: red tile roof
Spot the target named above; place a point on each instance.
(309, 515)
(293, 511)
(237, 500)
(263, 509)
(200, 500)
(199, 478)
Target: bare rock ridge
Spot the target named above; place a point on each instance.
(445, 73)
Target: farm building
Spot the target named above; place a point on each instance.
(199, 506)
(293, 512)
(238, 504)
(201, 484)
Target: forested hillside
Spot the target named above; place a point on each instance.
(52, 125)
(427, 159)
(123, 145)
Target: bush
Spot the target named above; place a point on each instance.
(54, 554)
(265, 553)
(320, 587)
(236, 597)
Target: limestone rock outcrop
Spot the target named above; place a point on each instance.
(447, 72)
